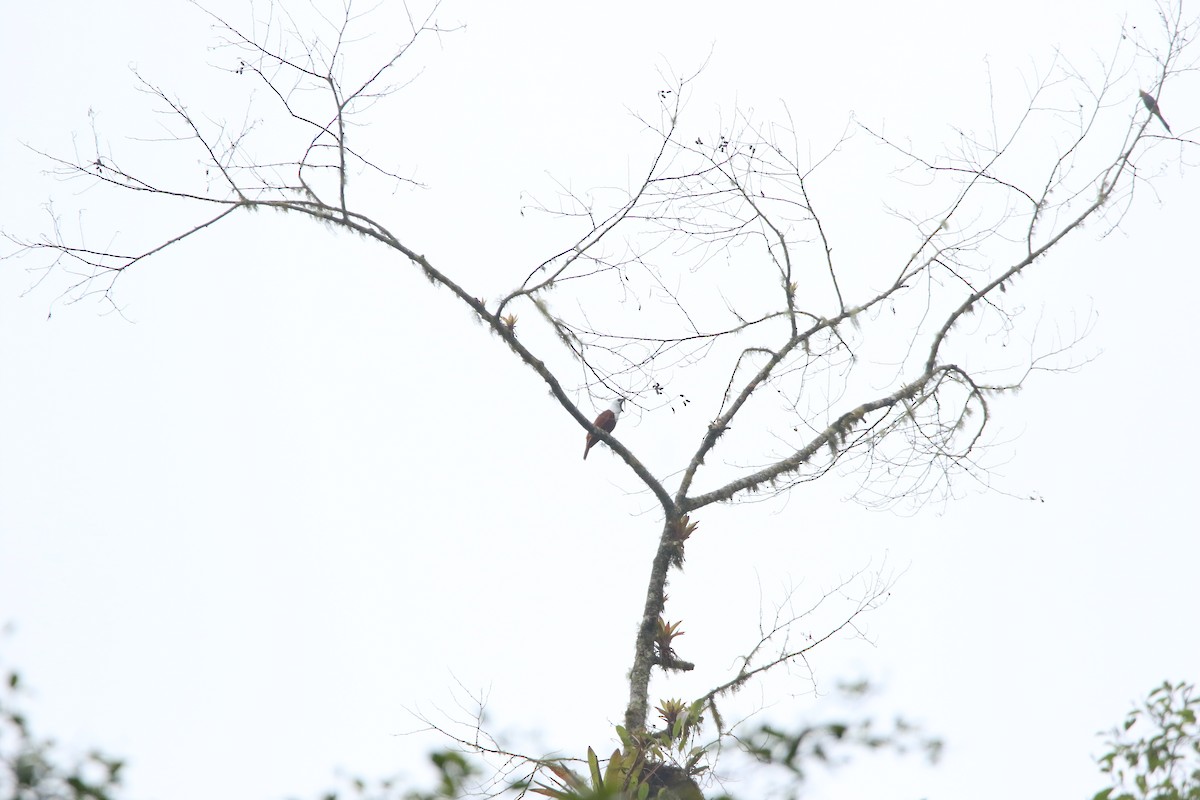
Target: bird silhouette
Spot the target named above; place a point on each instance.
(1152, 106)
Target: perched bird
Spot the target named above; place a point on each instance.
(1152, 105)
(605, 422)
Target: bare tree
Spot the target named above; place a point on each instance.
(885, 370)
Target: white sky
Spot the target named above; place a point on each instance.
(296, 494)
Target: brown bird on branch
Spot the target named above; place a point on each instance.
(1152, 106)
(605, 422)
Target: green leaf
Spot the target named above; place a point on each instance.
(594, 767)
(623, 735)
(612, 773)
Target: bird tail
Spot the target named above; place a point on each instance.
(587, 446)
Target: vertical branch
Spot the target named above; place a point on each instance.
(643, 654)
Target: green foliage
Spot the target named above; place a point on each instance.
(665, 764)
(662, 764)
(454, 770)
(830, 743)
(659, 765)
(787, 753)
(1155, 754)
(31, 769)
(618, 780)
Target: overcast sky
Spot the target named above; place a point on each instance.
(291, 498)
